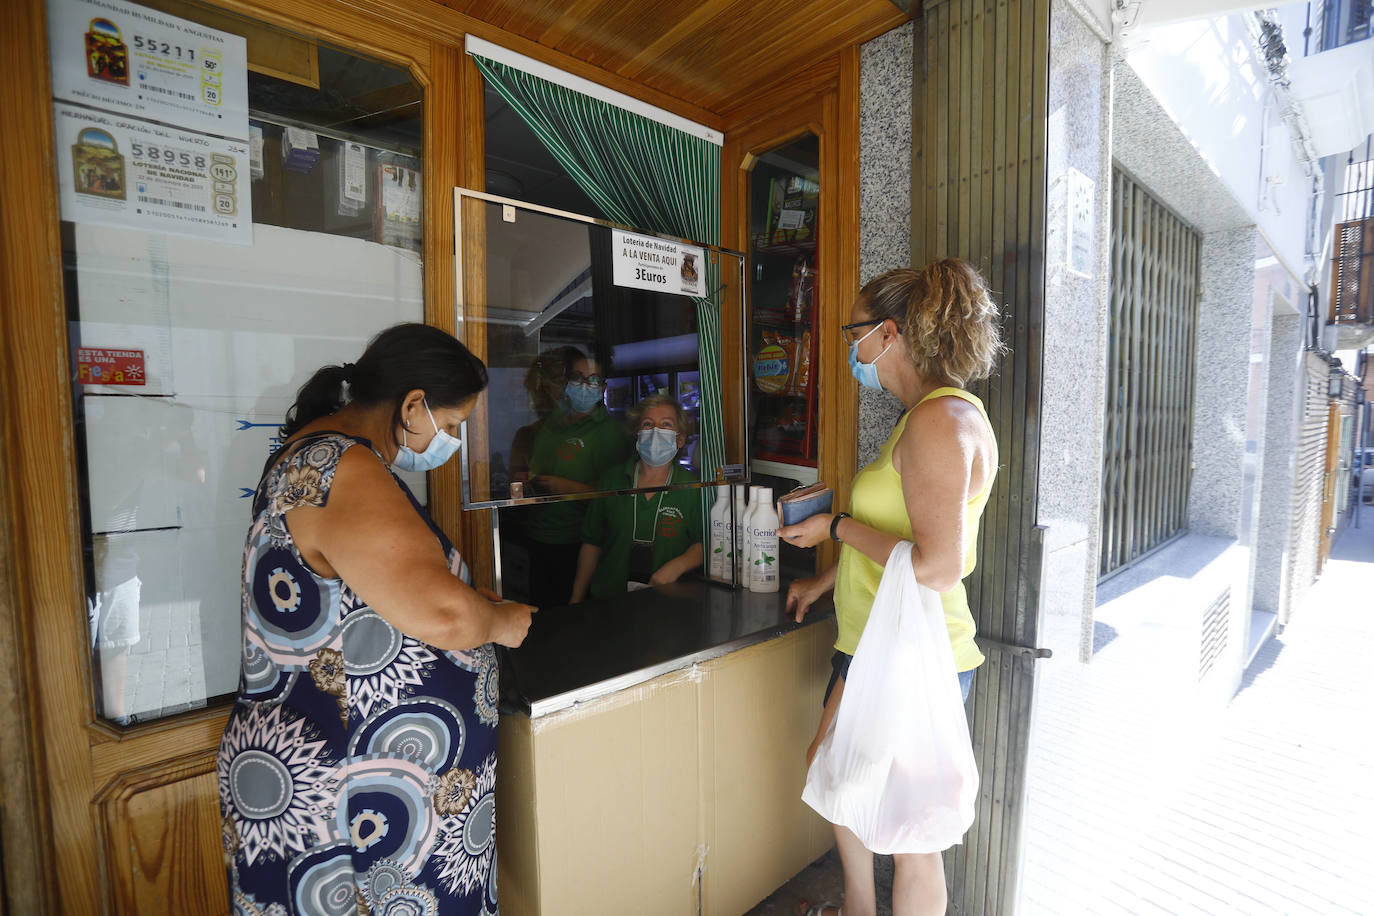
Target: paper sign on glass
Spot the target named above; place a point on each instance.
(120, 171)
(123, 58)
(646, 262)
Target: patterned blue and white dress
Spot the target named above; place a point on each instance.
(358, 768)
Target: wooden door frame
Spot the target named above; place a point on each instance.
(825, 101)
(65, 772)
(1329, 484)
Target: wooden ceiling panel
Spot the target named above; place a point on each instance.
(713, 54)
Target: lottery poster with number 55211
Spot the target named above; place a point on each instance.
(115, 170)
(127, 59)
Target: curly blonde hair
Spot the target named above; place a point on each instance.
(950, 324)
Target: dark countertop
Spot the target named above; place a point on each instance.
(585, 651)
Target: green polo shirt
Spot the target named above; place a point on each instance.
(611, 522)
(582, 450)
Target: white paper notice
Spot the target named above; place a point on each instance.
(127, 59)
(646, 262)
(353, 175)
(120, 171)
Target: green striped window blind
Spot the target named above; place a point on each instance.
(644, 175)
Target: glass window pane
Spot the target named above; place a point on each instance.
(202, 345)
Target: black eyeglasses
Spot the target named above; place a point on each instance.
(848, 329)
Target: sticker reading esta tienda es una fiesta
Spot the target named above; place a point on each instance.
(102, 366)
(646, 262)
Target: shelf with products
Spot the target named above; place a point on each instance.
(783, 208)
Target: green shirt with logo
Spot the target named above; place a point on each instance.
(673, 522)
(580, 449)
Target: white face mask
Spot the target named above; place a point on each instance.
(656, 445)
(440, 449)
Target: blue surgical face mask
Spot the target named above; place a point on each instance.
(866, 373)
(656, 446)
(582, 397)
(440, 449)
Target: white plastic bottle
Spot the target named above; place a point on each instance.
(722, 551)
(748, 549)
(763, 528)
(737, 535)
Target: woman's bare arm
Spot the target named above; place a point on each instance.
(369, 535)
(936, 458)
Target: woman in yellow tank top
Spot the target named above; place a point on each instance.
(921, 335)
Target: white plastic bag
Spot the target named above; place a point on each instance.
(897, 765)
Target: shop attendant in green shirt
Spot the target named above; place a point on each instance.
(643, 540)
(573, 447)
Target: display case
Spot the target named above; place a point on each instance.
(783, 220)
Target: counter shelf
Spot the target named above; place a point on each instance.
(586, 651)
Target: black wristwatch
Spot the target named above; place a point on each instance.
(835, 525)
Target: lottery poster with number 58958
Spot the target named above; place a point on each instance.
(120, 171)
(150, 113)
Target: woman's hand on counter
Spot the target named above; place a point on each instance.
(510, 621)
(802, 593)
(808, 532)
(676, 567)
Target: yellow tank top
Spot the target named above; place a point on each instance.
(877, 501)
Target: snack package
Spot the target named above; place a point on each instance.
(801, 366)
(783, 364)
(775, 362)
(802, 291)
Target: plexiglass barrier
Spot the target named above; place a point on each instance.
(593, 336)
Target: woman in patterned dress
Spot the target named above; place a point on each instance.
(357, 771)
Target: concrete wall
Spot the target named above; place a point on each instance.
(1211, 80)
(885, 68)
(1222, 376)
(1147, 143)
(1273, 529)
(1075, 337)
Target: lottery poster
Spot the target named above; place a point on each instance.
(129, 60)
(115, 170)
(646, 262)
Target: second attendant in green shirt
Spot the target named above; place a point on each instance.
(643, 540)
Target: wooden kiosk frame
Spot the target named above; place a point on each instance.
(99, 819)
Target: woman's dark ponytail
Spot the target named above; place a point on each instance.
(397, 361)
(320, 396)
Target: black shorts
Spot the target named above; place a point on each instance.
(839, 667)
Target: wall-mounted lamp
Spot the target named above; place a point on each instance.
(1335, 385)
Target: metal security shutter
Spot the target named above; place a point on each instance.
(1307, 488)
(979, 136)
(1151, 351)
(1352, 273)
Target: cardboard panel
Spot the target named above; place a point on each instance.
(618, 810)
(680, 796)
(764, 705)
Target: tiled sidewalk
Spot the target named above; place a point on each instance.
(1268, 808)
(1265, 808)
